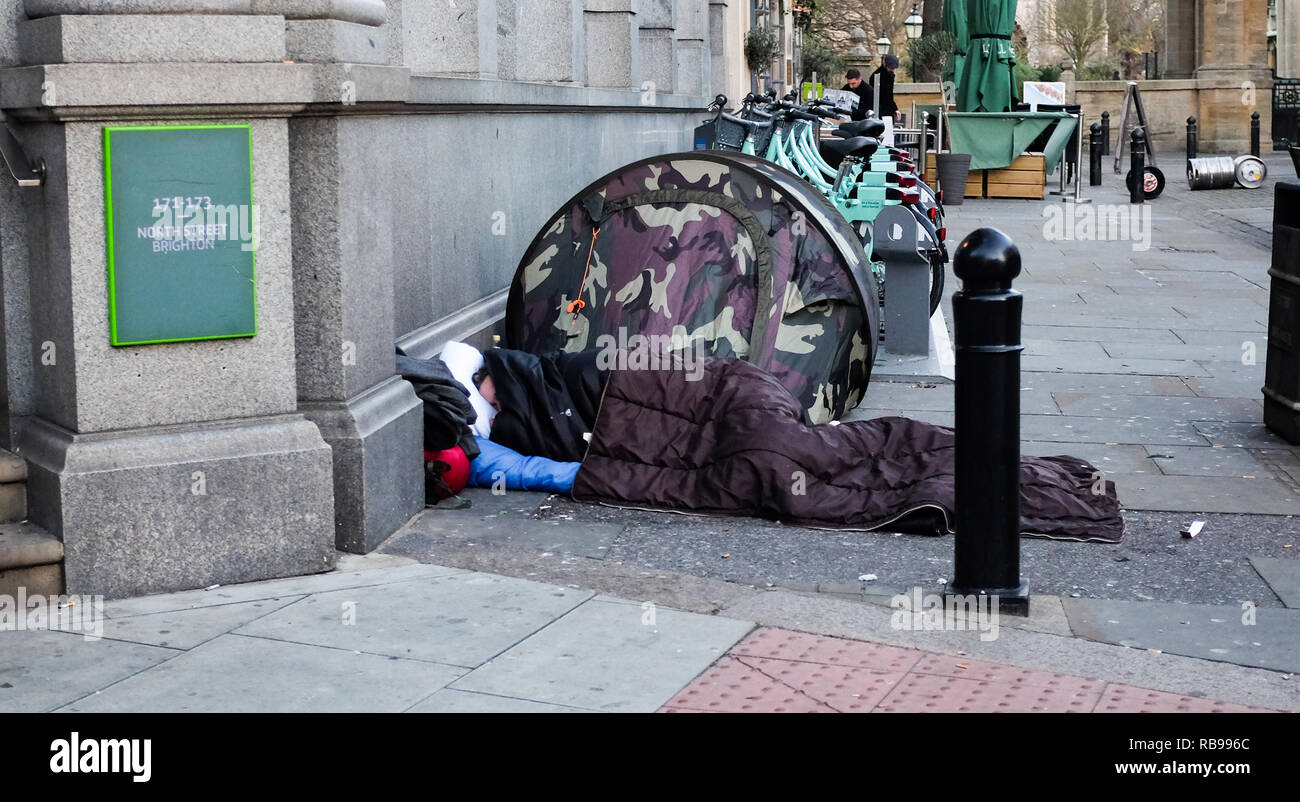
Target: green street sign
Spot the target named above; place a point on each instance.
(182, 230)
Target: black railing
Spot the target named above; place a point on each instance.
(1286, 112)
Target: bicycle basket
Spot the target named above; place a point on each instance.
(728, 135)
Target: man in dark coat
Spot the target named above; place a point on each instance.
(888, 108)
(860, 88)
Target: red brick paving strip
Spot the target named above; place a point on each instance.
(781, 671)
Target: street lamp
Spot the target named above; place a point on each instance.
(882, 45)
(913, 24)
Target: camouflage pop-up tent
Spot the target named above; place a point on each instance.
(687, 246)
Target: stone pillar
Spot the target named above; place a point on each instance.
(1288, 38)
(657, 21)
(612, 44)
(719, 64)
(693, 57)
(1233, 76)
(1180, 49)
(343, 320)
(169, 466)
(539, 40)
(438, 39)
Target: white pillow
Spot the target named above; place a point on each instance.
(464, 360)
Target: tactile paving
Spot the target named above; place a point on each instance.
(782, 644)
(730, 686)
(845, 688)
(946, 665)
(928, 693)
(1127, 699)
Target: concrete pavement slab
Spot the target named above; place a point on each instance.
(1180, 408)
(1283, 576)
(1210, 632)
(1074, 382)
(252, 591)
(448, 700)
(1202, 494)
(1219, 352)
(185, 629)
(238, 674)
(524, 533)
(1095, 334)
(1109, 364)
(607, 656)
(1104, 457)
(1240, 434)
(458, 620)
(1094, 429)
(1207, 461)
(42, 670)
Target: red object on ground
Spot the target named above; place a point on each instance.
(454, 468)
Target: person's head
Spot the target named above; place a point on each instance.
(890, 62)
(854, 78)
(483, 381)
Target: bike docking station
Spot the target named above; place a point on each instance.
(986, 326)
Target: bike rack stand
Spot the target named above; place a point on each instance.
(907, 282)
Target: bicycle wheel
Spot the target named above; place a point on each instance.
(936, 280)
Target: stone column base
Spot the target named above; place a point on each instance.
(378, 443)
(174, 508)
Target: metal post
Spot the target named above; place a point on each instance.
(1094, 156)
(925, 141)
(986, 317)
(1137, 165)
(1191, 138)
(1254, 133)
(1105, 133)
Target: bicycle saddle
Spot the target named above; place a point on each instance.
(871, 128)
(860, 146)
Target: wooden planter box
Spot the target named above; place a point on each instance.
(1026, 177)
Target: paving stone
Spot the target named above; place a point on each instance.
(553, 535)
(602, 656)
(459, 620)
(1127, 699)
(784, 644)
(1079, 429)
(1106, 458)
(1219, 352)
(185, 629)
(731, 686)
(240, 674)
(1207, 461)
(276, 588)
(1074, 382)
(1210, 632)
(1108, 364)
(1066, 349)
(1216, 336)
(42, 670)
(453, 701)
(1096, 334)
(843, 688)
(1182, 408)
(1282, 576)
(1239, 434)
(1201, 494)
(922, 693)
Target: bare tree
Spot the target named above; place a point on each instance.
(1079, 26)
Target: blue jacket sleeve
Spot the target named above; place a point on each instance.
(495, 462)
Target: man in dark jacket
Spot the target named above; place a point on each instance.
(860, 88)
(888, 108)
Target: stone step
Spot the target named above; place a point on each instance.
(13, 487)
(30, 558)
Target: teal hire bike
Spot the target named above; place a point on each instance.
(868, 184)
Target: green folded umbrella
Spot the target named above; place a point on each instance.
(954, 22)
(985, 83)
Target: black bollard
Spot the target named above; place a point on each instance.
(1105, 133)
(1094, 155)
(1191, 138)
(986, 317)
(1254, 133)
(1137, 166)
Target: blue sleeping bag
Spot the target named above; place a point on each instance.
(495, 461)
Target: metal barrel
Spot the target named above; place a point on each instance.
(1211, 172)
(1249, 171)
